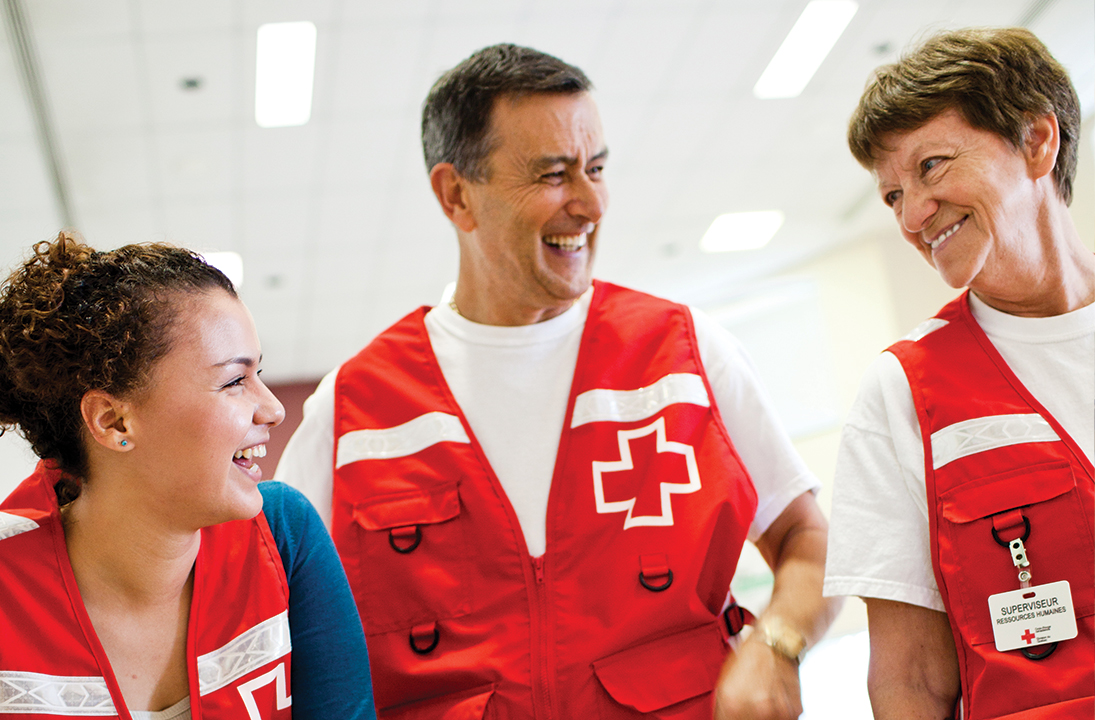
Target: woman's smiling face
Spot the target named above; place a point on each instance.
(203, 418)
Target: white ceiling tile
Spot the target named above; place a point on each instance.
(376, 68)
(170, 16)
(212, 59)
(106, 167)
(108, 225)
(277, 159)
(275, 224)
(195, 163)
(257, 12)
(203, 225)
(92, 83)
(71, 19)
(24, 179)
(16, 122)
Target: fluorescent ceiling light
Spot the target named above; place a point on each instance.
(284, 69)
(741, 231)
(229, 263)
(805, 47)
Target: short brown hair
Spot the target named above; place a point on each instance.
(999, 79)
(73, 320)
(457, 113)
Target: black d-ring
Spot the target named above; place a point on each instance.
(656, 588)
(409, 548)
(1026, 534)
(1031, 655)
(432, 645)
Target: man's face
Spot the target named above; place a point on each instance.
(537, 214)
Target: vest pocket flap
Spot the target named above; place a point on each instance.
(994, 494)
(465, 705)
(414, 507)
(664, 672)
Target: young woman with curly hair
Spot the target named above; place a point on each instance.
(147, 573)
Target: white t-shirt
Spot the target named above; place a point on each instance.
(513, 383)
(879, 545)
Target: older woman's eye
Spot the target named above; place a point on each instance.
(931, 163)
(891, 197)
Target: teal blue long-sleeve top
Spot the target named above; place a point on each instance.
(330, 673)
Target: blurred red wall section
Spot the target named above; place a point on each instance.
(292, 396)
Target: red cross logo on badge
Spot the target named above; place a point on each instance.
(1028, 636)
(666, 489)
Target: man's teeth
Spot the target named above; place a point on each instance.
(567, 242)
(947, 233)
(257, 451)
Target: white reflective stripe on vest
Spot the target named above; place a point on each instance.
(988, 433)
(400, 441)
(27, 693)
(601, 405)
(12, 525)
(248, 651)
(925, 329)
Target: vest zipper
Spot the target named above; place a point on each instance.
(541, 688)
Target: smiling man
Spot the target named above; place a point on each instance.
(541, 487)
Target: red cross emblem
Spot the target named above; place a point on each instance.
(1028, 636)
(665, 489)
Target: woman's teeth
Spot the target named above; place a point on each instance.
(257, 451)
(947, 233)
(567, 242)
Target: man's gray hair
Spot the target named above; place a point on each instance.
(457, 113)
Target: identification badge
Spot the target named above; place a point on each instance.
(1033, 616)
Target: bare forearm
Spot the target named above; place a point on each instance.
(798, 563)
(913, 670)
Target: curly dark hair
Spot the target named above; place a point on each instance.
(456, 114)
(998, 78)
(72, 320)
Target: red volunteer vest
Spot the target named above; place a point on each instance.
(994, 457)
(648, 510)
(52, 665)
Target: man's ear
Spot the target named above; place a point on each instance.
(451, 190)
(1042, 143)
(106, 419)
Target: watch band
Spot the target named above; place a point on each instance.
(782, 638)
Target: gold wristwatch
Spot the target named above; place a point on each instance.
(782, 638)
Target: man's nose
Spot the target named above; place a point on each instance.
(589, 200)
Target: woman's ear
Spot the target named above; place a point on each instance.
(106, 419)
(1043, 142)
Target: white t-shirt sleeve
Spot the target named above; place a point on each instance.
(879, 546)
(778, 473)
(307, 461)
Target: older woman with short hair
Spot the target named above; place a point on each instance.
(964, 489)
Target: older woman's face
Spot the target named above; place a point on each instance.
(962, 197)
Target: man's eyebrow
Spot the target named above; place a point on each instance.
(547, 161)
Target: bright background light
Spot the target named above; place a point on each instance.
(741, 231)
(805, 48)
(284, 71)
(229, 263)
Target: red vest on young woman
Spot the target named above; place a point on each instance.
(52, 665)
(648, 510)
(996, 459)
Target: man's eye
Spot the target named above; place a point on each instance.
(596, 170)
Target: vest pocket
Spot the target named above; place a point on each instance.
(413, 556)
(673, 676)
(974, 565)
